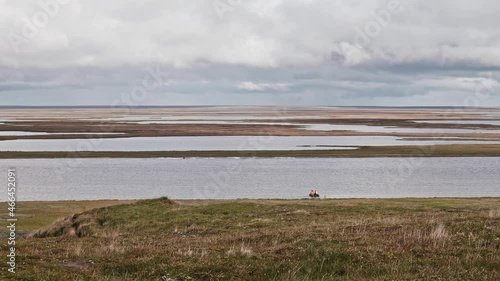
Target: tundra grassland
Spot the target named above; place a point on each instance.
(308, 239)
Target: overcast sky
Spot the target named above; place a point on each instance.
(258, 52)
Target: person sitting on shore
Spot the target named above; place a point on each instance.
(313, 193)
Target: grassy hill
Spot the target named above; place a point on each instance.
(333, 239)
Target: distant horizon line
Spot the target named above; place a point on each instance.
(200, 106)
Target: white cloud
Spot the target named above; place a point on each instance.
(256, 33)
(251, 86)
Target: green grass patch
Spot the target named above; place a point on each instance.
(334, 239)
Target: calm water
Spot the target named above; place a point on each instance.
(334, 127)
(29, 133)
(211, 143)
(382, 129)
(200, 178)
(472, 122)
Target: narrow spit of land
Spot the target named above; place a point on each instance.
(455, 150)
(333, 239)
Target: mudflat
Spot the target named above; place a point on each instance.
(248, 121)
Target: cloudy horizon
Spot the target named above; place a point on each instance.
(229, 52)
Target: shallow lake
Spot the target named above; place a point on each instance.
(331, 127)
(211, 143)
(382, 129)
(29, 133)
(225, 178)
(471, 122)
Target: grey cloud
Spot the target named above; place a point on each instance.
(260, 52)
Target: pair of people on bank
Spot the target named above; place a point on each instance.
(313, 193)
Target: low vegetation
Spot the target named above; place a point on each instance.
(453, 150)
(317, 239)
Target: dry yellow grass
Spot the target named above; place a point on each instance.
(351, 239)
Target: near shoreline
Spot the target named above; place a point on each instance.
(455, 150)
